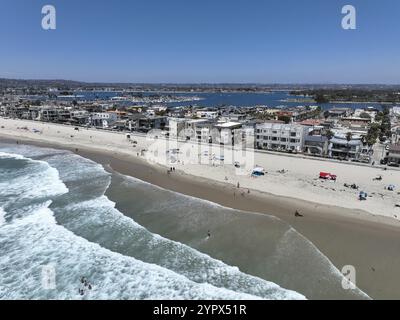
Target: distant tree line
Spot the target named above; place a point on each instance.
(342, 95)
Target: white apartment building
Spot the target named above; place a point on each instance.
(227, 133)
(207, 114)
(176, 127)
(52, 114)
(280, 137)
(396, 111)
(103, 119)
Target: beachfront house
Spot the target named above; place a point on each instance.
(356, 123)
(14, 111)
(176, 127)
(103, 119)
(280, 137)
(147, 123)
(396, 111)
(394, 155)
(227, 133)
(316, 145)
(346, 147)
(54, 114)
(205, 114)
(395, 134)
(198, 130)
(79, 117)
(338, 113)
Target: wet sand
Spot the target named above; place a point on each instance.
(371, 245)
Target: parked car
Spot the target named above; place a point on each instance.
(393, 164)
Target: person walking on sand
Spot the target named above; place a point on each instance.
(297, 214)
(208, 234)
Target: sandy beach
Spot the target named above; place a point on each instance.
(349, 232)
(300, 179)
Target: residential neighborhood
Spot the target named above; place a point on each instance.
(365, 134)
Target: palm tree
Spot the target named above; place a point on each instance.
(329, 134)
(349, 136)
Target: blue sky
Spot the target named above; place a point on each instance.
(241, 41)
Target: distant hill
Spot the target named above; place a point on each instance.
(189, 87)
(17, 83)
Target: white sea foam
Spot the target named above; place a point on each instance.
(2, 216)
(113, 275)
(291, 244)
(39, 179)
(101, 215)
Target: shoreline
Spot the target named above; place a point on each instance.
(300, 181)
(346, 238)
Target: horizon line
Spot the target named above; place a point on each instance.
(202, 83)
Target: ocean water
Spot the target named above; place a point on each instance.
(213, 99)
(63, 217)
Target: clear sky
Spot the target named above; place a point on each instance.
(241, 41)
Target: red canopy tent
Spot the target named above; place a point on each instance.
(328, 176)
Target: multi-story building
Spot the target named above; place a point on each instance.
(316, 145)
(54, 114)
(227, 133)
(198, 130)
(394, 155)
(145, 124)
(356, 123)
(396, 111)
(395, 134)
(176, 127)
(102, 119)
(79, 116)
(207, 114)
(337, 113)
(280, 137)
(341, 147)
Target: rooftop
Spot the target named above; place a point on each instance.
(394, 148)
(228, 124)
